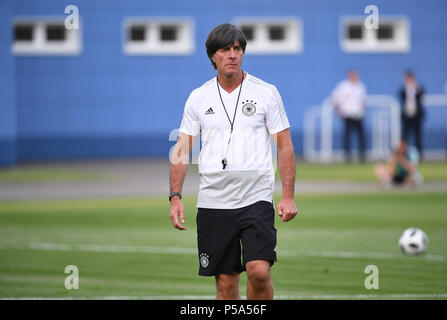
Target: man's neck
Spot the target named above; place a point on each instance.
(229, 82)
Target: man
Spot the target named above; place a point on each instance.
(412, 113)
(401, 169)
(349, 100)
(235, 114)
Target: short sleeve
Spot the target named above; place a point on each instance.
(336, 94)
(190, 122)
(276, 117)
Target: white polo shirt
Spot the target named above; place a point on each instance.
(351, 99)
(249, 174)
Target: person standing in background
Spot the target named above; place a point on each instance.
(349, 100)
(412, 112)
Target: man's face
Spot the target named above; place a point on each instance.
(409, 79)
(353, 76)
(401, 149)
(229, 60)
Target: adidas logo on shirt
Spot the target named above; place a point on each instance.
(209, 111)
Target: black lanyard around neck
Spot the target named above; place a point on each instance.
(224, 160)
(237, 102)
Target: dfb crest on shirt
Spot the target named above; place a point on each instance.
(248, 107)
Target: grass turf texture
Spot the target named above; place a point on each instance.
(353, 172)
(358, 172)
(20, 175)
(127, 248)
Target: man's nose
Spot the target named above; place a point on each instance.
(232, 53)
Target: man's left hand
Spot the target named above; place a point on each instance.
(286, 209)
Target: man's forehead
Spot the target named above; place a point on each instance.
(234, 44)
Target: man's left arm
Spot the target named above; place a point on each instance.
(286, 208)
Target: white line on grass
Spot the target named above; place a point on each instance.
(110, 248)
(368, 255)
(280, 297)
(190, 251)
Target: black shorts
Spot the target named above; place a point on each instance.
(398, 180)
(223, 235)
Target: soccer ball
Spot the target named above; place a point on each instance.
(413, 241)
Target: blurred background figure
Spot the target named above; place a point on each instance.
(412, 113)
(349, 100)
(401, 169)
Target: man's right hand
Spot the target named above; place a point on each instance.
(177, 211)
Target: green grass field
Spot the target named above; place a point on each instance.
(352, 172)
(127, 248)
(358, 172)
(21, 175)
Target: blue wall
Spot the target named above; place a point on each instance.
(7, 88)
(104, 103)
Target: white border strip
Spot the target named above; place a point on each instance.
(279, 297)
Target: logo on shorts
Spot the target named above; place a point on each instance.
(204, 260)
(248, 108)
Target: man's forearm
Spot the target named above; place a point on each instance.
(287, 169)
(179, 162)
(177, 175)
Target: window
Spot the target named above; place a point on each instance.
(249, 32)
(272, 35)
(355, 32)
(168, 33)
(393, 35)
(55, 33)
(23, 32)
(276, 33)
(45, 36)
(385, 32)
(137, 33)
(147, 36)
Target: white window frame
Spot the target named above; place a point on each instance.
(153, 45)
(72, 45)
(261, 44)
(369, 43)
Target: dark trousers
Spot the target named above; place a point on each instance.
(412, 126)
(352, 126)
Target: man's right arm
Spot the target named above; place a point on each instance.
(177, 172)
(335, 100)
